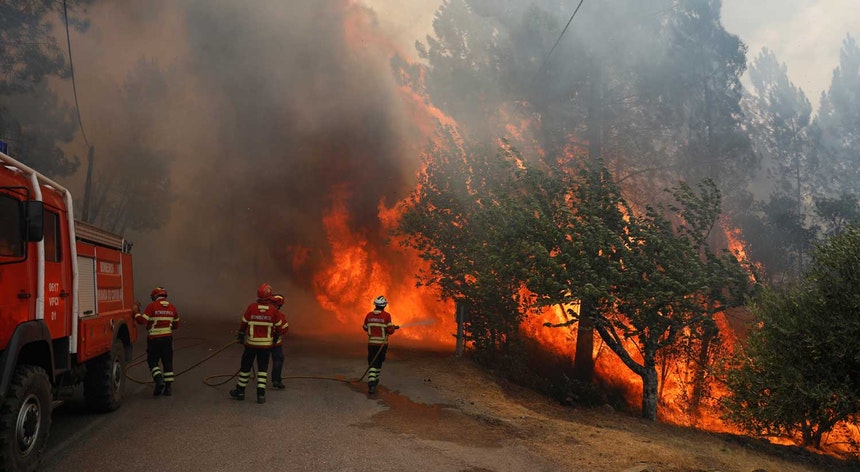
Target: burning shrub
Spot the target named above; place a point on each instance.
(797, 374)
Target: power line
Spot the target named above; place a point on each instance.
(545, 59)
(72, 70)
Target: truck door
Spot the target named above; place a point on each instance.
(17, 289)
(58, 287)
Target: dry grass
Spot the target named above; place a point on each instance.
(601, 439)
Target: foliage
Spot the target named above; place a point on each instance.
(778, 115)
(778, 236)
(32, 119)
(797, 374)
(838, 213)
(838, 125)
(700, 93)
(778, 120)
(453, 219)
(490, 223)
(652, 280)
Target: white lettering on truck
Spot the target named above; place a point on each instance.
(107, 267)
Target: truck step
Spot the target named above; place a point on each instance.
(56, 403)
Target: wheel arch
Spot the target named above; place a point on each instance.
(30, 344)
(123, 334)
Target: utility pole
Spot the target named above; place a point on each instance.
(88, 188)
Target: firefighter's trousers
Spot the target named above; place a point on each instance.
(261, 355)
(160, 349)
(277, 362)
(377, 352)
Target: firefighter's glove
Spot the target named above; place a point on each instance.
(396, 327)
(241, 338)
(275, 337)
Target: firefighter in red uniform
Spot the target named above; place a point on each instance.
(278, 350)
(378, 326)
(260, 324)
(161, 319)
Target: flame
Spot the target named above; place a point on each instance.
(360, 268)
(358, 261)
(360, 271)
(738, 247)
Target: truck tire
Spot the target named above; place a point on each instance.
(25, 419)
(104, 382)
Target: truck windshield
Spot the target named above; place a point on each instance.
(11, 236)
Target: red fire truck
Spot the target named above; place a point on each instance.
(66, 298)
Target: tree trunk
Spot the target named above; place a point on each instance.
(649, 388)
(699, 374)
(583, 362)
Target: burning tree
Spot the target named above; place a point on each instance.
(651, 275)
(492, 224)
(797, 374)
(455, 219)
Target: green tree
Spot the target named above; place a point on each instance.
(777, 235)
(652, 281)
(32, 119)
(455, 219)
(700, 94)
(778, 118)
(797, 373)
(838, 125)
(838, 213)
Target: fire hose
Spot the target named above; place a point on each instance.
(207, 380)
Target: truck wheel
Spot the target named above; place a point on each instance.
(25, 419)
(105, 379)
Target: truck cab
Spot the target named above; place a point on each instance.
(66, 310)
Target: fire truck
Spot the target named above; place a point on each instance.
(66, 311)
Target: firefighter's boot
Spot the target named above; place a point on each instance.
(278, 385)
(238, 393)
(168, 389)
(159, 385)
(261, 395)
(371, 387)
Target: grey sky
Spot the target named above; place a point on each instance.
(804, 34)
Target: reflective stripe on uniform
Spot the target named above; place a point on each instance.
(243, 379)
(262, 379)
(373, 374)
(156, 330)
(252, 340)
(377, 339)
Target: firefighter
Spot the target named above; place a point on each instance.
(278, 349)
(161, 319)
(260, 324)
(378, 326)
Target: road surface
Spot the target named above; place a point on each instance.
(315, 424)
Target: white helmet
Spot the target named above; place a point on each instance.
(380, 301)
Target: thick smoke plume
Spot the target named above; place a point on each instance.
(278, 117)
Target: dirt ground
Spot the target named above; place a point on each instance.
(487, 410)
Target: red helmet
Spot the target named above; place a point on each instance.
(278, 299)
(264, 290)
(158, 292)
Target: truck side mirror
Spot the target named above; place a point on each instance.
(34, 218)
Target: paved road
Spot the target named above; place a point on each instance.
(312, 425)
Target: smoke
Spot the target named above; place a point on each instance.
(276, 113)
